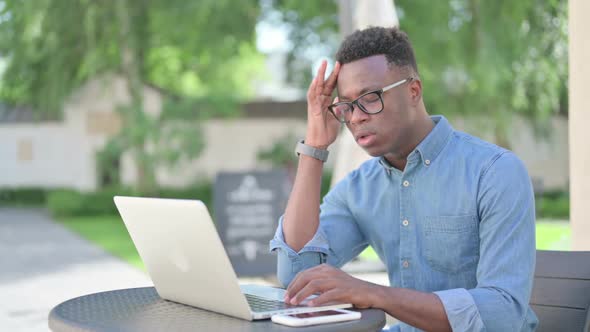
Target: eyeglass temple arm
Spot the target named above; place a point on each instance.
(391, 86)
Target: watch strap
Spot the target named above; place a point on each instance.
(319, 154)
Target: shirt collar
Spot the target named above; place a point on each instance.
(431, 145)
(435, 141)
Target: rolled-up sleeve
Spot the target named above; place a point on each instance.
(507, 255)
(337, 240)
(461, 310)
(289, 262)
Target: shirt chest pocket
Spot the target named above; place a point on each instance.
(451, 242)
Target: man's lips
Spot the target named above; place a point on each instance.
(362, 133)
(364, 138)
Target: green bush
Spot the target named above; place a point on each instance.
(280, 153)
(553, 206)
(554, 194)
(22, 196)
(65, 203)
(72, 203)
(101, 202)
(202, 191)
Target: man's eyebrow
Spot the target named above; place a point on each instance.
(363, 91)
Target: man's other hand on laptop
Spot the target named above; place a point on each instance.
(333, 286)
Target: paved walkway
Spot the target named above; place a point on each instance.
(43, 264)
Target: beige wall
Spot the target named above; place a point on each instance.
(57, 157)
(579, 113)
(63, 154)
(232, 145)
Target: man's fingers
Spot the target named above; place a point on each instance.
(312, 287)
(300, 280)
(330, 83)
(312, 87)
(319, 88)
(292, 285)
(333, 295)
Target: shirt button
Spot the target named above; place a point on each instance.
(427, 161)
(405, 264)
(406, 183)
(405, 222)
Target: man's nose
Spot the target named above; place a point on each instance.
(358, 116)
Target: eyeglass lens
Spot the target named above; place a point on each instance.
(370, 103)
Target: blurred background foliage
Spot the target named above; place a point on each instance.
(68, 202)
(199, 53)
(490, 58)
(487, 60)
(187, 48)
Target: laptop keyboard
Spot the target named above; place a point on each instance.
(260, 304)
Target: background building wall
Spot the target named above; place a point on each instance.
(44, 155)
(232, 145)
(63, 154)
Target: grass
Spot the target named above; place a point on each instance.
(554, 235)
(109, 233)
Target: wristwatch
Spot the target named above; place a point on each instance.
(319, 154)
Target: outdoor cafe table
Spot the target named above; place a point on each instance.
(141, 309)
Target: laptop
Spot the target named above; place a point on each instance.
(186, 260)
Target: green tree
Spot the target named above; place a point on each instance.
(280, 154)
(311, 25)
(200, 53)
(491, 59)
(486, 59)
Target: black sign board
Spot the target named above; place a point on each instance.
(247, 210)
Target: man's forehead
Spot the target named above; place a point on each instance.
(363, 75)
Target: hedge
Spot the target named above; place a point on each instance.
(69, 203)
(23, 196)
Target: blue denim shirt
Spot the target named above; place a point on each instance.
(459, 221)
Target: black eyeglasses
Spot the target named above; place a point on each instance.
(370, 103)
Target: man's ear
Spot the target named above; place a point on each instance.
(416, 91)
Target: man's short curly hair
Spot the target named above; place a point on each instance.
(391, 42)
